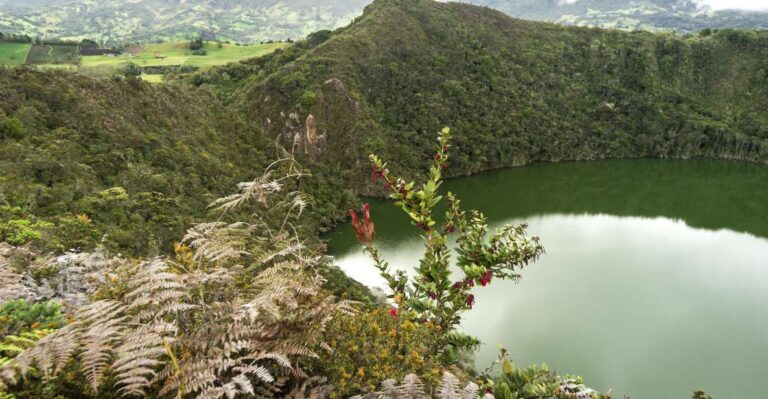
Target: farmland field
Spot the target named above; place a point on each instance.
(53, 54)
(13, 53)
(180, 54)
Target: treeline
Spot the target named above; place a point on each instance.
(14, 38)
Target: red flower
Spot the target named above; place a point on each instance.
(486, 278)
(470, 300)
(451, 228)
(438, 157)
(376, 174)
(393, 312)
(364, 229)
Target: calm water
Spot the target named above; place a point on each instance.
(655, 280)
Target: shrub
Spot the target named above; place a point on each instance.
(12, 128)
(433, 294)
(19, 316)
(22, 231)
(373, 346)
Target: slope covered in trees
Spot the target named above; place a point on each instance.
(514, 91)
(118, 161)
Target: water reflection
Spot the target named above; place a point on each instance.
(655, 280)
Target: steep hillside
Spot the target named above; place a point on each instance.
(513, 91)
(135, 161)
(117, 21)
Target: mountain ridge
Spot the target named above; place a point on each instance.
(515, 91)
(115, 22)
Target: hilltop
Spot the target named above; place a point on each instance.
(514, 91)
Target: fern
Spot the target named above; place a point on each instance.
(233, 320)
(412, 388)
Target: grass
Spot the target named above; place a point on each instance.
(13, 53)
(53, 54)
(180, 54)
(152, 78)
(58, 56)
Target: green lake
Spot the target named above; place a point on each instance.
(654, 282)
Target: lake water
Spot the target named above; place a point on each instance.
(654, 282)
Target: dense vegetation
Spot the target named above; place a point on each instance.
(514, 91)
(118, 157)
(241, 310)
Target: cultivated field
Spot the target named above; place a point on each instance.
(41, 54)
(13, 53)
(179, 54)
(64, 56)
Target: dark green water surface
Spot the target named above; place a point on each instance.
(655, 280)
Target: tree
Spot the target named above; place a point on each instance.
(196, 44)
(88, 43)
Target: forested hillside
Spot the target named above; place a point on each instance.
(118, 161)
(514, 91)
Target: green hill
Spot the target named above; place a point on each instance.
(513, 91)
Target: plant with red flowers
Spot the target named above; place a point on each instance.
(434, 294)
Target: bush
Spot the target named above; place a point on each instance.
(308, 99)
(131, 69)
(19, 316)
(199, 52)
(377, 345)
(196, 44)
(12, 128)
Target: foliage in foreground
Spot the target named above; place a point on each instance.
(433, 294)
(240, 312)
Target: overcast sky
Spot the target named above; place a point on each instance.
(740, 4)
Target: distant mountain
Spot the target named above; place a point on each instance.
(674, 15)
(117, 21)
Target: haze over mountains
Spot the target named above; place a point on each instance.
(678, 15)
(117, 21)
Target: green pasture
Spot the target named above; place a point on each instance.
(13, 53)
(180, 54)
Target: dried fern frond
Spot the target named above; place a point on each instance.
(413, 388)
(218, 242)
(233, 320)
